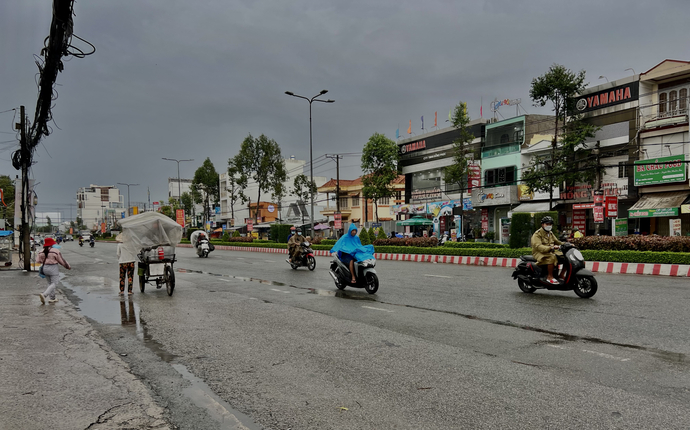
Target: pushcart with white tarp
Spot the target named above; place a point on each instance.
(152, 237)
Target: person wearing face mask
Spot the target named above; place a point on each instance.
(294, 246)
(545, 247)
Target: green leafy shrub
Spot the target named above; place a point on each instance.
(236, 233)
(328, 241)
(381, 234)
(489, 235)
(520, 230)
(372, 234)
(474, 245)
(634, 243)
(422, 242)
(280, 232)
(364, 237)
(226, 237)
(244, 240)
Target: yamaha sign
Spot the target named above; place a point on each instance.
(608, 97)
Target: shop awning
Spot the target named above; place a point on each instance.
(658, 204)
(532, 207)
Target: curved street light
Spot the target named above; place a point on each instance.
(128, 185)
(311, 161)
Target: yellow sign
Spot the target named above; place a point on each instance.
(135, 210)
(685, 209)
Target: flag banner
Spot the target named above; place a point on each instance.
(450, 118)
(436, 119)
(422, 123)
(481, 114)
(397, 133)
(409, 129)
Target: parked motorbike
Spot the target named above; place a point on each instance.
(203, 248)
(532, 277)
(305, 258)
(365, 274)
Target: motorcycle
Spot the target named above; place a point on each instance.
(532, 277)
(92, 242)
(366, 275)
(203, 248)
(305, 258)
(81, 242)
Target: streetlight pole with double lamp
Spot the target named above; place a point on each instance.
(311, 158)
(179, 192)
(128, 185)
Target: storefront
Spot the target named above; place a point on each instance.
(494, 205)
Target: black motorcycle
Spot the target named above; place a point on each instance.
(532, 277)
(305, 258)
(92, 242)
(81, 242)
(366, 275)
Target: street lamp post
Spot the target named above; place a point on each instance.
(311, 158)
(128, 185)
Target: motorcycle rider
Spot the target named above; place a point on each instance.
(545, 248)
(348, 245)
(200, 237)
(294, 245)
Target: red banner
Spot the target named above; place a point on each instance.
(179, 215)
(580, 219)
(337, 221)
(250, 225)
(485, 221)
(598, 214)
(102, 227)
(583, 206)
(598, 198)
(612, 206)
(474, 177)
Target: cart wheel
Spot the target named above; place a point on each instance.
(169, 280)
(142, 282)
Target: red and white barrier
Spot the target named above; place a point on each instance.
(682, 270)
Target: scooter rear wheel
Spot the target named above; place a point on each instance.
(525, 288)
(586, 286)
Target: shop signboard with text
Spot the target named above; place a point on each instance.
(611, 207)
(526, 194)
(674, 226)
(494, 196)
(485, 221)
(598, 214)
(580, 219)
(337, 220)
(660, 170)
(620, 227)
(652, 213)
(179, 217)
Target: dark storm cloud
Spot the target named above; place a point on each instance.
(187, 79)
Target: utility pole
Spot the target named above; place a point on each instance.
(337, 180)
(26, 193)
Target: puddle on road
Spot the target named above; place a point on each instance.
(319, 292)
(123, 310)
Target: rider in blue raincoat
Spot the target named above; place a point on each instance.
(351, 249)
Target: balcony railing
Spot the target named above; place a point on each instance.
(500, 150)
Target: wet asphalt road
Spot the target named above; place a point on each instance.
(439, 346)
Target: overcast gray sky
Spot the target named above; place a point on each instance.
(190, 79)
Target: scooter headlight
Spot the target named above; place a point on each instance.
(578, 255)
(369, 263)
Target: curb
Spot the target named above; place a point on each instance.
(677, 270)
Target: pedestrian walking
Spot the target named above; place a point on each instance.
(49, 258)
(126, 260)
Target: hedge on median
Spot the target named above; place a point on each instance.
(475, 245)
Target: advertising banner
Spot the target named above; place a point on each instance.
(474, 177)
(580, 219)
(495, 196)
(598, 214)
(337, 221)
(620, 227)
(485, 221)
(660, 170)
(102, 227)
(583, 205)
(598, 198)
(674, 226)
(611, 207)
(651, 213)
(526, 194)
(250, 225)
(179, 217)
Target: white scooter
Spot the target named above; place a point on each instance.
(203, 248)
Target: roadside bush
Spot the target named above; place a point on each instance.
(474, 245)
(243, 239)
(520, 230)
(226, 237)
(328, 242)
(634, 243)
(236, 233)
(422, 242)
(364, 237)
(372, 234)
(382, 234)
(280, 232)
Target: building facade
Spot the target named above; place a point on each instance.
(98, 204)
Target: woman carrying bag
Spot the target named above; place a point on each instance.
(49, 258)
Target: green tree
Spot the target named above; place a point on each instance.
(559, 86)
(382, 234)
(235, 192)
(80, 224)
(304, 189)
(364, 237)
(187, 203)
(7, 203)
(205, 186)
(50, 224)
(380, 167)
(457, 172)
(260, 159)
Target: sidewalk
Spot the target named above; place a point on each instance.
(595, 266)
(56, 372)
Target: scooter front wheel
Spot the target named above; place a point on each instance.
(311, 263)
(371, 283)
(586, 286)
(526, 288)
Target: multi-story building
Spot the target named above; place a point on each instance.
(98, 204)
(353, 206)
(661, 171)
(284, 209)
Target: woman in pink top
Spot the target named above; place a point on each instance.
(50, 257)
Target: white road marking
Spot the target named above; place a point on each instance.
(240, 258)
(604, 355)
(438, 276)
(269, 261)
(376, 309)
(600, 354)
(224, 280)
(280, 291)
